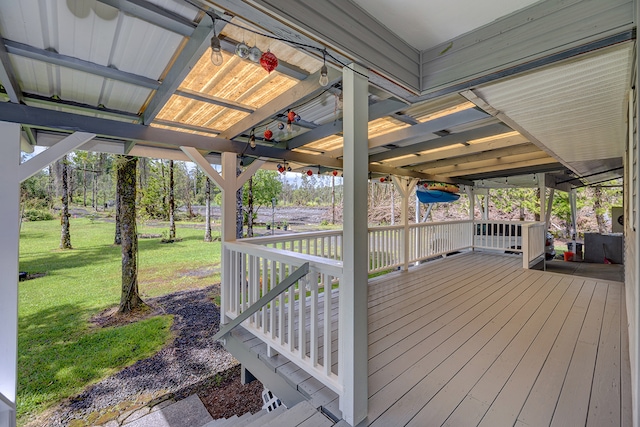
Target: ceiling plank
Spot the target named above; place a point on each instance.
(388, 170)
(416, 133)
(446, 160)
(154, 14)
(432, 141)
(494, 164)
(376, 111)
(451, 154)
(296, 94)
(8, 76)
(54, 58)
(194, 49)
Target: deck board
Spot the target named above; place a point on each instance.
(473, 339)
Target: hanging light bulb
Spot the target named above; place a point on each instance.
(324, 79)
(242, 50)
(216, 54)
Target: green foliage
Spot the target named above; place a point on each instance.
(37, 215)
(59, 352)
(266, 185)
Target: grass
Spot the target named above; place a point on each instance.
(59, 351)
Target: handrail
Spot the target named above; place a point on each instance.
(300, 272)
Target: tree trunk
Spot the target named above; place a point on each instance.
(172, 204)
(597, 207)
(129, 299)
(65, 236)
(250, 209)
(84, 184)
(239, 209)
(117, 240)
(207, 214)
(536, 215)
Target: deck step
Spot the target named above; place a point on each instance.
(266, 417)
(303, 414)
(251, 418)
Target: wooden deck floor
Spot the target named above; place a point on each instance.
(475, 340)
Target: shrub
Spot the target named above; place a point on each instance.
(37, 215)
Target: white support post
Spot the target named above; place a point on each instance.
(228, 184)
(547, 218)
(472, 202)
(574, 213)
(405, 186)
(353, 332)
(543, 196)
(9, 244)
(485, 214)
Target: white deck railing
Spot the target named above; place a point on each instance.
(252, 267)
(426, 240)
(533, 243)
(326, 244)
(252, 270)
(431, 239)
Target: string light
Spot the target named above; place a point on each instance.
(324, 79)
(255, 53)
(216, 55)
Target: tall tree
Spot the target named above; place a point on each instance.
(172, 203)
(258, 192)
(117, 240)
(250, 208)
(129, 298)
(65, 236)
(207, 214)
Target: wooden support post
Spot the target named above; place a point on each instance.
(9, 243)
(353, 332)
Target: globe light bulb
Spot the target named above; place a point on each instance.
(242, 50)
(216, 55)
(254, 54)
(324, 79)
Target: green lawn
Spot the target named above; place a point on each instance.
(59, 351)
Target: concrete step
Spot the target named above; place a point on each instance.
(187, 412)
(223, 422)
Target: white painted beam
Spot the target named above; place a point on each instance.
(353, 319)
(42, 160)
(197, 158)
(9, 243)
(405, 186)
(249, 171)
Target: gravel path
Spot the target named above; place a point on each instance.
(181, 368)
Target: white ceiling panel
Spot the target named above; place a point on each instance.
(577, 103)
(424, 24)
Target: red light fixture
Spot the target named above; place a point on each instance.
(268, 135)
(309, 172)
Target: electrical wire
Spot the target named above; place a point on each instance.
(322, 49)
